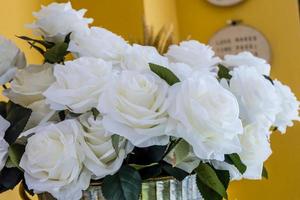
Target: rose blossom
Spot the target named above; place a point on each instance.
(102, 159)
(98, 43)
(30, 83)
(255, 151)
(256, 95)
(57, 20)
(194, 54)
(53, 161)
(11, 58)
(79, 84)
(289, 107)
(3, 144)
(138, 58)
(249, 60)
(134, 106)
(206, 116)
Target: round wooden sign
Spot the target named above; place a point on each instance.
(237, 38)
(225, 2)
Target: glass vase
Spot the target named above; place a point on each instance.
(166, 188)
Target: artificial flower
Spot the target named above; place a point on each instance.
(11, 59)
(134, 106)
(79, 84)
(53, 160)
(207, 116)
(55, 21)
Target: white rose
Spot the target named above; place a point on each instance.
(255, 151)
(249, 60)
(181, 70)
(138, 58)
(194, 54)
(27, 90)
(135, 107)
(98, 43)
(256, 95)
(41, 113)
(102, 159)
(30, 83)
(57, 20)
(207, 115)
(3, 144)
(11, 58)
(78, 84)
(289, 107)
(53, 161)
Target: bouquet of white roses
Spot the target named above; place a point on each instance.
(121, 113)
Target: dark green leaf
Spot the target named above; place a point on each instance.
(18, 117)
(269, 79)
(208, 177)
(177, 173)
(223, 72)
(9, 178)
(57, 53)
(234, 159)
(151, 171)
(95, 113)
(39, 49)
(3, 109)
(62, 115)
(264, 173)
(148, 155)
(124, 185)
(224, 177)
(15, 153)
(164, 73)
(208, 193)
(46, 44)
(68, 38)
(115, 140)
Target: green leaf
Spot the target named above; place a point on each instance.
(18, 117)
(164, 73)
(234, 159)
(223, 72)
(9, 178)
(177, 173)
(115, 140)
(126, 184)
(171, 146)
(57, 53)
(154, 154)
(39, 49)
(224, 177)
(181, 152)
(264, 173)
(269, 79)
(139, 167)
(207, 178)
(95, 113)
(46, 44)
(15, 152)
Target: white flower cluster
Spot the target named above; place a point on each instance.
(216, 117)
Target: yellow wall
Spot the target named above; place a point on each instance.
(277, 19)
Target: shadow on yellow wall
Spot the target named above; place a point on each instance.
(277, 19)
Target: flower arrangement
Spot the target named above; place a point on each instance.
(121, 113)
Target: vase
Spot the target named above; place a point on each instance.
(166, 188)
